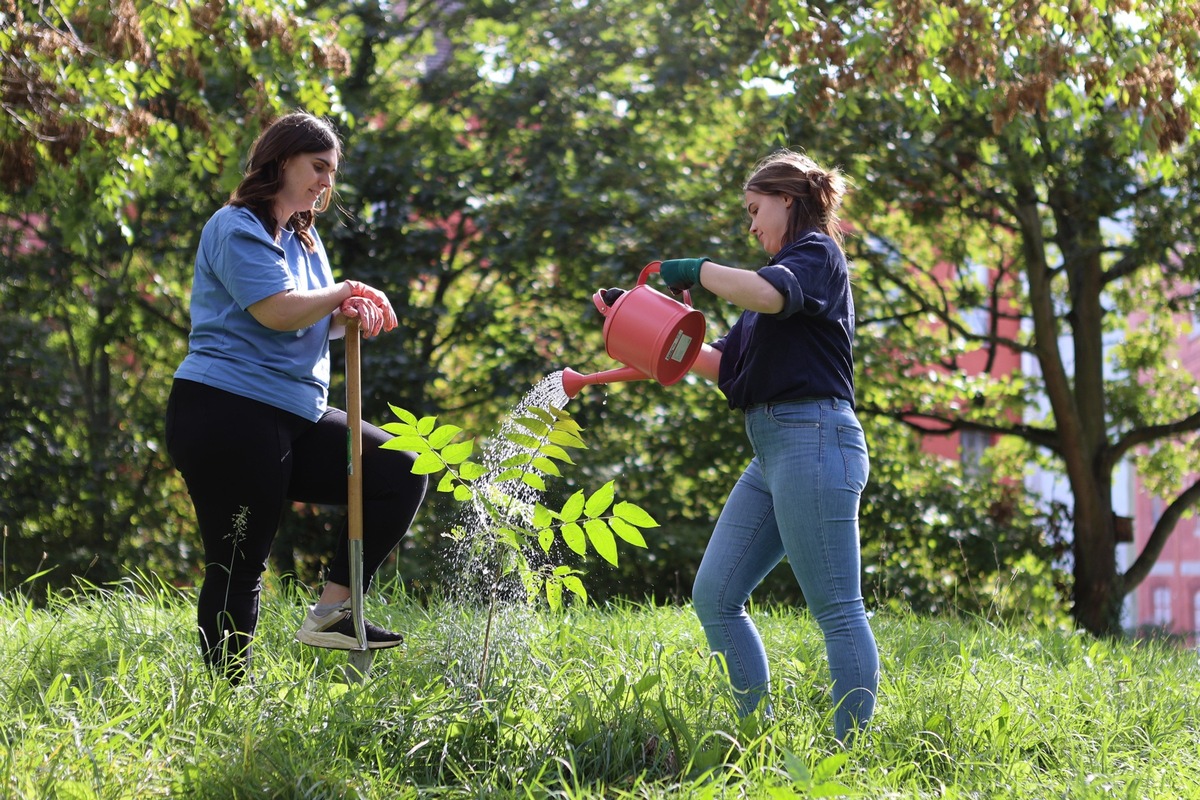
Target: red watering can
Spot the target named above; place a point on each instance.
(655, 336)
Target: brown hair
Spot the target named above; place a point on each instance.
(817, 192)
(292, 134)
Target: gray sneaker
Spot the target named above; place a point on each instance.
(335, 631)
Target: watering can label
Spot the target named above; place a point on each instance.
(679, 347)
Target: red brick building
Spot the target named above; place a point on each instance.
(1169, 598)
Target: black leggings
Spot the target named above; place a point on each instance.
(243, 461)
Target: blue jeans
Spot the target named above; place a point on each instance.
(798, 497)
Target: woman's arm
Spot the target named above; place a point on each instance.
(294, 310)
(707, 363)
(742, 287)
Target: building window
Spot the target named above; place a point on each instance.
(1162, 606)
(974, 444)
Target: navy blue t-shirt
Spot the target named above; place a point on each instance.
(805, 350)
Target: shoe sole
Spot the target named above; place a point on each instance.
(338, 641)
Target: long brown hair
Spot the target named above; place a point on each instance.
(293, 134)
(816, 192)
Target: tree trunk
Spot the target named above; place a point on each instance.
(1098, 590)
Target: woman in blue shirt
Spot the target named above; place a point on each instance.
(788, 364)
(248, 422)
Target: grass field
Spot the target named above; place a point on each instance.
(104, 696)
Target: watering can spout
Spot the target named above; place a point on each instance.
(573, 381)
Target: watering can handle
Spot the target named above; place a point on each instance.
(652, 268)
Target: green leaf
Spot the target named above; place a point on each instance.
(524, 440)
(427, 464)
(447, 482)
(556, 452)
(602, 539)
(565, 439)
(545, 539)
(533, 481)
(575, 587)
(573, 535)
(634, 514)
(547, 466)
(542, 516)
(443, 436)
(542, 414)
(459, 452)
(414, 444)
(573, 508)
(425, 425)
(462, 493)
(470, 471)
(554, 594)
(519, 460)
(627, 532)
(569, 425)
(600, 500)
(534, 426)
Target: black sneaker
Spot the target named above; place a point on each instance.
(336, 632)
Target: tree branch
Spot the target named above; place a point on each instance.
(1163, 529)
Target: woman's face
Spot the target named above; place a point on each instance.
(304, 177)
(768, 218)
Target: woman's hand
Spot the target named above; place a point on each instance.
(366, 312)
(376, 298)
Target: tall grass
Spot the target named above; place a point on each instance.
(104, 696)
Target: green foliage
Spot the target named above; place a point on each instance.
(1025, 184)
(508, 518)
(122, 130)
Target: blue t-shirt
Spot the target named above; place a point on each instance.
(806, 350)
(238, 264)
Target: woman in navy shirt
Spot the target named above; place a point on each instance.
(248, 421)
(788, 364)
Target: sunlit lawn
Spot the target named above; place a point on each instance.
(104, 697)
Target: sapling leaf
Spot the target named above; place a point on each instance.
(508, 475)
(443, 436)
(404, 414)
(572, 508)
(634, 514)
(542, 414)
(547, 466)
(519, 460)
(602, 539)
(575, 587)
(545, 539)
(470, 471)
(566, 440)
(554, 594)
(462, 493)
(627, 532)
(534, 426)
(427, 464)
(554, 451)
(524, 440)
(400, 428)
(568, 424)
(410, 442)
(534, 481)
(600, 500)
(425, 425)
(458, 452)
(446, 484)
(573, 535)
(542, 516)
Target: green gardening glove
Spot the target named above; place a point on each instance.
(681, 274)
